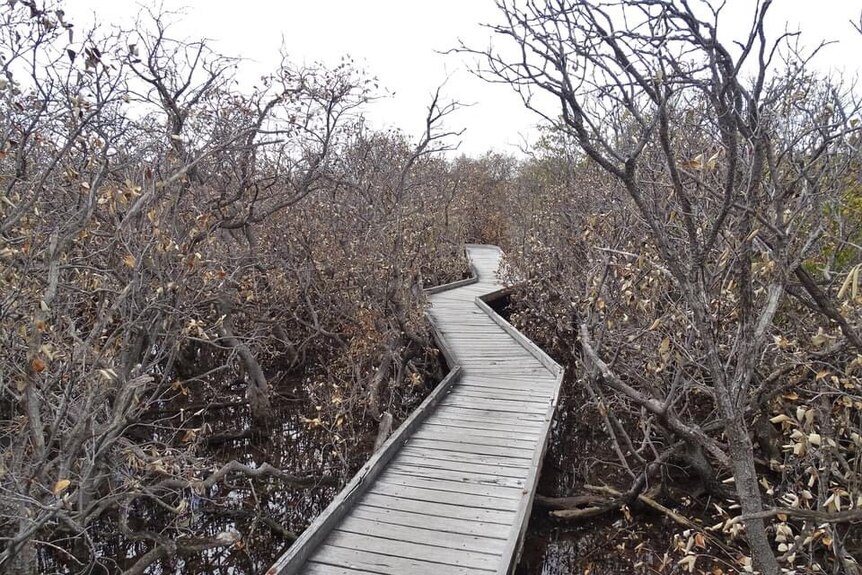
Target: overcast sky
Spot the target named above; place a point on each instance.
(399, 41)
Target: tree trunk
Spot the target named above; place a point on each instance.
(748, 491)
(257, 391)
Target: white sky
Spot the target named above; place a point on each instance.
(398, 42)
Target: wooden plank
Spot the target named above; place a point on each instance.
(537, 409)
(479, 415)
(409, 550)
(544, 395)
(533, 386)
(539, 389)
(543, 378)
(495, 408)
(314, 568)
(453, 446)
(460, 474)
(440, 433)
(420, 458)
(516, 396)
(508, 432)
(460, 410)
(502, 420)
(439, 509)
(465, 500)
(424, 536)
(458, 527)
(384, 564)
(473, 438)
(489, 335)
(450, 485)
(488, 364)
(513, 372)
(473, 420)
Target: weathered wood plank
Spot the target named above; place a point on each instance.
(314, 568)
(451, 486)
(504, 420)
(472, 449)
(440, 433)
(491, 408)
(527, 386)
(461, 475)
(385, 564)
(486, 425)
(465, 500)
(457, 527)
(523, 398)
(504, 377)
(424, 536)
(502, 468)
(409, 550)
(459, 411)
(439, 509)
(537, 409)
(508, 432)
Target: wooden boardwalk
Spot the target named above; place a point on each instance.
(451, 491)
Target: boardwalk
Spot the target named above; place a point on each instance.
(451, 491)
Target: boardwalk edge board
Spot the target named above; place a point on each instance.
(316, 542)
(525, 342)
(474, 278)
(515, 545)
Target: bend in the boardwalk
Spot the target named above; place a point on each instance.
(451, 492)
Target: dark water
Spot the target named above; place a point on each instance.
(266, 512)
(579, 453)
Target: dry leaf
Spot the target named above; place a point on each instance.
(60, 487)
(38, 365)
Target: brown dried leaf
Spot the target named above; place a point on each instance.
(60, 487)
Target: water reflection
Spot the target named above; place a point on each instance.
(266, 512)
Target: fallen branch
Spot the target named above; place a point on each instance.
(219, 438)
(649, 502)
(264, 470)
(850, 516)
(561, 503)
(170, 548)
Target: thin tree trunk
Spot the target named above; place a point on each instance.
(748, 491)
(258, 388)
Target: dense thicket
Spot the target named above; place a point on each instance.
(212, 295)
(180, 258)
(690, 242)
